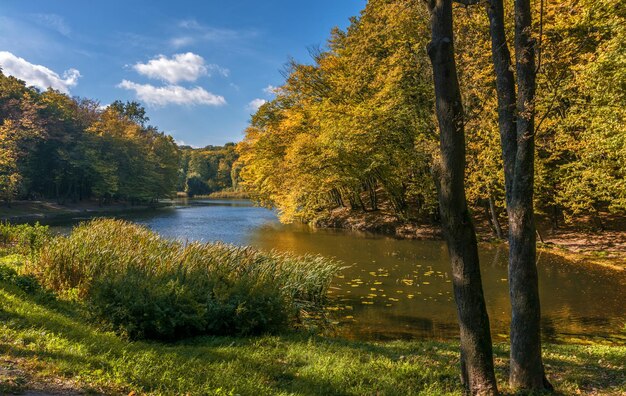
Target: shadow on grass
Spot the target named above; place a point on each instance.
(55, 333)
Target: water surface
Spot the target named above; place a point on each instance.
(401, 288)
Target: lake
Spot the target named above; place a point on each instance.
(401, 289)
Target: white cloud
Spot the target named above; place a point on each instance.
(172, 94)
(180, 67)
(270, 90)
(37, 75)
(183, 143)
(256, 103)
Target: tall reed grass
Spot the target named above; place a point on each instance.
(149, 287)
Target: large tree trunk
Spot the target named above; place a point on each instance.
(476, 349)
(516, 121)
(527, 370)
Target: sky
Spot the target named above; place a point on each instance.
(200, 68)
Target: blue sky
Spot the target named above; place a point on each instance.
(199, 67)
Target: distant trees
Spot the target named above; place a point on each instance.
(209, 169)
(69, 149)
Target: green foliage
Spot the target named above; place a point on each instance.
(26, 283)
(55, 146)
(355, 128)
(352, 129)
(23, 238)
(209, 169)
(148, 287)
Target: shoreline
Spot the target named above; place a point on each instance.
(605, 248)
(49, 212)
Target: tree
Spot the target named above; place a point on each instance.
(476, 349)
(517, 131)
(20, 128)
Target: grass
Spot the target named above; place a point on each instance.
(47, 345)
(226, 194)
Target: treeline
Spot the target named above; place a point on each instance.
(206, 170)
(356, 128)
(69, 149)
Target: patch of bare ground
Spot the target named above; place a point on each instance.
(22, 377)
(379, 221)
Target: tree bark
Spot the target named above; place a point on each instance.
(492, 216)
(505, 87)
(527, 371)
(476, 349)
(370, 184)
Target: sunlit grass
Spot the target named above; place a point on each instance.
(51, 343)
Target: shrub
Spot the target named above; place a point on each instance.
(26, 283)
(23, 238)
(148, 287)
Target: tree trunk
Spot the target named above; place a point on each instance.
(505, 87)
(476, 349)
(370, 183)
(517, 139)
(359, 201)
(494, 218)
(527, 371)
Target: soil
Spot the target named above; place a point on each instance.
(17, 379)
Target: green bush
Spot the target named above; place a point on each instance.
(26, 283)
(147, 287)
(23, 238)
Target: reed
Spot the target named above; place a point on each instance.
(149, 287)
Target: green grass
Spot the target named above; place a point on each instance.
(44, 341)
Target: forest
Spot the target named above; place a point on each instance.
(203, 171)
(69, 149)
(356, 128)
(353, 129)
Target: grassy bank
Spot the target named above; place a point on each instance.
(225, 194)
(147, 287)
(46, 345)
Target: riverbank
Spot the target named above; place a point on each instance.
(579, 244)
(46, 346)
(50, 211)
